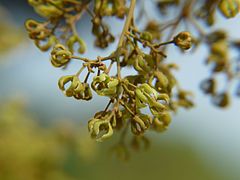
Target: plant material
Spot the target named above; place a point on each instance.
(153, 84)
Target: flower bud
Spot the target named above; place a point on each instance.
(220, 48)
(141, 65)
(76, 89)
(139, 123)
(184, 99)
(76, 40)
(45, 47)
(60, 56)
(183, 40)
(146, 95)
(100, 127)
(229, 8)
(48, 11)
(146, 36)
(105, 85)
(161, 79)
(35, 2)
(36, 30)
(161, 122)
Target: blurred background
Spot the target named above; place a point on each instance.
(43, 134)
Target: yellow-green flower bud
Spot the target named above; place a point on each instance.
(139, 123)
(48, 11)
(161, 79)
(35, 2)
(147, 36)
(141, 65)
(146, 95)
(36, 30)
(100, 127)
(45, 47)
(76, 89)
(105, 85)
(73, 40)
(60, 56)
(229, 8)
(219, 49)
(161, 122)
(184, 99)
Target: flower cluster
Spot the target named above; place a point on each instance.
(76, 89)
(144, 100)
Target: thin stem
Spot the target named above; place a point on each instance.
(89, 12)
(125, 29)
(79, 72)
(56, 6)
(132, 85)
(93, 16)
(86, 79)
(72, 22)
(164, 43)
(127, 22)
(127, 108)
(95, 60)
(109, 67)
(174, 28)
(147, 44)
(81, 58)
(109, 103)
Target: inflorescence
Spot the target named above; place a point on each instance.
(154, 85)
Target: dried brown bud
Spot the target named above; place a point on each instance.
(183, 40)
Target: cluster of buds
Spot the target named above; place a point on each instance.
(208, 9)
(101, 30)
(148, 96)
(102, 124)
(76, 89)
(47, 8)
(220, 47)
(41, 34)
(143, 96)
(153, 85)
(37, 30)
(105, 85)
(59, 13)
(219, 57)
(110, 8)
